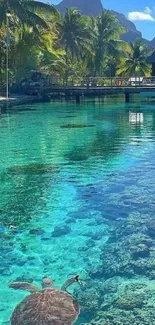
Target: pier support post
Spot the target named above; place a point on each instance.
(127, 97)
(46, 98)
(77, 99)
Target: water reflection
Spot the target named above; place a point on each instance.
(136, 118)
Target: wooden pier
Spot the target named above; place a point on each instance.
(96, 87)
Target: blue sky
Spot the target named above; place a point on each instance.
(141, 12)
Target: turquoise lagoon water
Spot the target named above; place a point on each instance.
(68, 175)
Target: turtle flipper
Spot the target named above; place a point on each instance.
(24, 286)
(70, 282)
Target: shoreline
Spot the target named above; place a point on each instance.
(18, 100)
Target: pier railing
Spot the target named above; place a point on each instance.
(88, 85)
(113, 82)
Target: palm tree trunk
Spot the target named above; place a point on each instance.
(67, 71)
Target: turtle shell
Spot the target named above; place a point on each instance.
(46, 307)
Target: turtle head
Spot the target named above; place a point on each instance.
(76, 278)
(46, 283)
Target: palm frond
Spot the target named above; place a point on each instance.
(40, 7)
(2, 15)
(34, 20)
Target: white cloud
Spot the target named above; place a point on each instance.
(148, 10)
(140, 15)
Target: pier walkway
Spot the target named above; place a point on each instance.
(95, 86)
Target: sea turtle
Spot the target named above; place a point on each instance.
(46, 306)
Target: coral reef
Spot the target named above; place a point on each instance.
(61, 231)
(124, 282)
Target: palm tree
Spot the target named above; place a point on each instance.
(25, 53)
(74, 36)
(107, 41)
(135, 63)
(19, 15)
(29, 12)
(30, 51)
(74, 33)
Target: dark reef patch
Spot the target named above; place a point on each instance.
(32, 169)
(61, 231)
(77, 126)
(119, 291)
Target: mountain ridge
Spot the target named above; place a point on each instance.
(95, 7)
(86, 7)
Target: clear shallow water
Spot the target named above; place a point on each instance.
(68, 174)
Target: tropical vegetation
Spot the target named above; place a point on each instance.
(135, 63)
(70, 47)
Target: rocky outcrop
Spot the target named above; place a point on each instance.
(152, 43)
(87, 7)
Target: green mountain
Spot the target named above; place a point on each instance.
(94, 7)
(87, 7)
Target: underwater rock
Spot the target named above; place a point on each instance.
(116, 316)
(23, 247)
(109, 286)
(129, 302)
(139, 239)
(83, 249)
(76, 155)
(88, 300)
(151, 228)
(7, 247)
(100, 220)
(21, 261)
(61, 231)
(31, 258)
(134, 224)
(97, 236)
(151, 275)
(78, 215)
(90, 243)
(101, 322)
(70, 220)
(88, 234)
(45, 238)
(24, 278)
(32, 169)
(143, 266)
(47, 261)
(140, 250)
(109, 322)
(76, 126)
(5, 271)
(116, 261)
(91, 223)
(3, 229)
(37, 231)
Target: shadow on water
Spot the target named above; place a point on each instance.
(26, 187)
